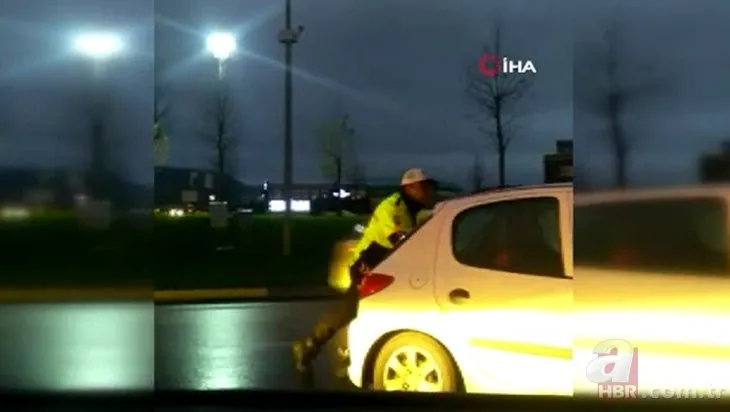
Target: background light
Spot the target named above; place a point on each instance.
(342, 194)
(278, 206)
(221, 45)
(14, 213)
(98, 45)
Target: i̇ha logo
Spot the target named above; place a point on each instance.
(491, 65)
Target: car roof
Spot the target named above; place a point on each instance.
(504, 192)
(677, 192)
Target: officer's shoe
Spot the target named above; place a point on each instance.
(343, 363)
(302, 352)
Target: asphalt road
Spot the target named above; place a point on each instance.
(139, 346)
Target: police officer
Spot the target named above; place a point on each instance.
(391, 221)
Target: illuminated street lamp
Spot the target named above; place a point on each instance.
(222, 46)
(98, 47)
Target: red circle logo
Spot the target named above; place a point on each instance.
(490, 65)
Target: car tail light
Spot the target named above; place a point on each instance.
(374, 283)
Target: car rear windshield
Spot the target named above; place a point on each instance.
(667, 236)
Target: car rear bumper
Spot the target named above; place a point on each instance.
(358, 345)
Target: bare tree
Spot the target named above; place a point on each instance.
(221, 137)
(495, 98)
(337, 138)
(160, 139)
(477, 173)
(608, 84)
(358, 175)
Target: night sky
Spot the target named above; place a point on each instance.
(396, 67)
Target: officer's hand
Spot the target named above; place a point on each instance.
(397, 237)
(363, 268)
(360, 272)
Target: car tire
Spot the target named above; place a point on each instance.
(447, 371)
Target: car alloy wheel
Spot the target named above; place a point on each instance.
(412, 369)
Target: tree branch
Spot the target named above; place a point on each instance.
(337, 137)
(623, 85)
(495, 97)
(218, 130)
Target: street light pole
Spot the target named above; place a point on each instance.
(288, 37)
(220, 119)
(99, 145)
(222, 46)
(221, 69)
(99, 48)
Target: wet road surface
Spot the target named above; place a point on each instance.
(139, 346)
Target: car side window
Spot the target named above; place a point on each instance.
(518, 236)
(686, 236)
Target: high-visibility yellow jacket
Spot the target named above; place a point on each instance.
(390, 218)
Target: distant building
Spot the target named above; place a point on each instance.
(715, 166)
(175, 186)
(178, 186)
(64, 188)
(558, 166)
(307, 191)
(313, 191)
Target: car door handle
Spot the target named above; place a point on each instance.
(459, 296)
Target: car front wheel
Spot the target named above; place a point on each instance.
(414, 362)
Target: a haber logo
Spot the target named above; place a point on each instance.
(615, 369)
(491, 65)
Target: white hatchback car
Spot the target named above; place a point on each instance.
(478, 299)
(652, 274)
(481, 298)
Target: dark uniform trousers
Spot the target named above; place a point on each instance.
(342, 313)
(344, 310)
